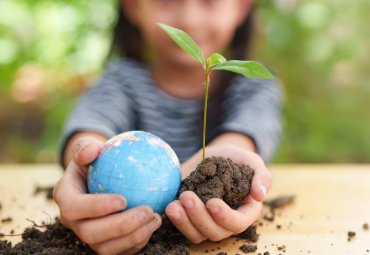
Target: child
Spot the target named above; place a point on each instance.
(159, 89)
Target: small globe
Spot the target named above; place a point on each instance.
(139, 166)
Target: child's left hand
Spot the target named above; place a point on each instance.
(215, 220)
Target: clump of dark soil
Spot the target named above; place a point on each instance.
(219, 177)
(166, 240)
(51, 239)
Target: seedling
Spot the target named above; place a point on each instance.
(215, 61)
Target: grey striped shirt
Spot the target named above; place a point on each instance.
(126, 98)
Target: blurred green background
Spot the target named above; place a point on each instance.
(52, 50)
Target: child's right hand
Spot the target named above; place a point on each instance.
(98, 219)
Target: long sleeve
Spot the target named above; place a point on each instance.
(253, 107)
(105, 108)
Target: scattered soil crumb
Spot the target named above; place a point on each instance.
(280, 201)
(350, 235)
(365, 226)
(282, 247)
(5, 220)
(47, 190)
(246, 248)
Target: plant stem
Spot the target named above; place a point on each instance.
(207, 72)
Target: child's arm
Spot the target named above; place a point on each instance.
(97, 219)
(216, 220)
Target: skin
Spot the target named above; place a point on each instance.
(91, 216)
(211, 23)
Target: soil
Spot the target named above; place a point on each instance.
(221, 178)
(350, 235)
(47, 190)
(47, 239)
(365, 226)
(248, 248)
(217, 177)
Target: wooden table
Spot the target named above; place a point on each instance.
(330, 201)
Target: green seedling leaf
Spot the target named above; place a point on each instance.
(185, 42)
(250, 69)
(215, 59)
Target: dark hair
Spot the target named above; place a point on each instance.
(127, 42)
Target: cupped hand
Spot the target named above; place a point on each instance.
(215, 220)
(99, 219)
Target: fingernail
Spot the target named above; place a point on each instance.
(153, 224)
(117, 204)
(263, 191)
(143, 216)
(188, 203)
(214, 209)
(81, 146)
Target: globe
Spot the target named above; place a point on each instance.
(139, 166)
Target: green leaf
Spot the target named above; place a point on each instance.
(185, 42)
(250, 69)
(215, 59)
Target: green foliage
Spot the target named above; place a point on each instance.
(319, 50)
(185, 42)
(215, 61)
(251, 69)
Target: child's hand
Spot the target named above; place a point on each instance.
(97, 219)
(216, 220)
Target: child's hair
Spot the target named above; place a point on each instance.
(127, 42)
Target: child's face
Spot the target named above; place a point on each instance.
(211, 23)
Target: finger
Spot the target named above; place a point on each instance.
(178, 217)
(137, 248)
(126, 243)
(200, 217)
(235, 221)
(75, 204)
(262, 180)
(90, 205)
(261, 183)
(113, 226)
(86, 151)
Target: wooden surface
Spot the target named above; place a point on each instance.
(330, 201)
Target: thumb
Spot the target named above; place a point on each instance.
(86, 151)
(261, 184)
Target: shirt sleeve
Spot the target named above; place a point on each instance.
(105, 108)
(253, 107)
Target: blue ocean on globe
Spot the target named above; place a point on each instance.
(139, 166)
